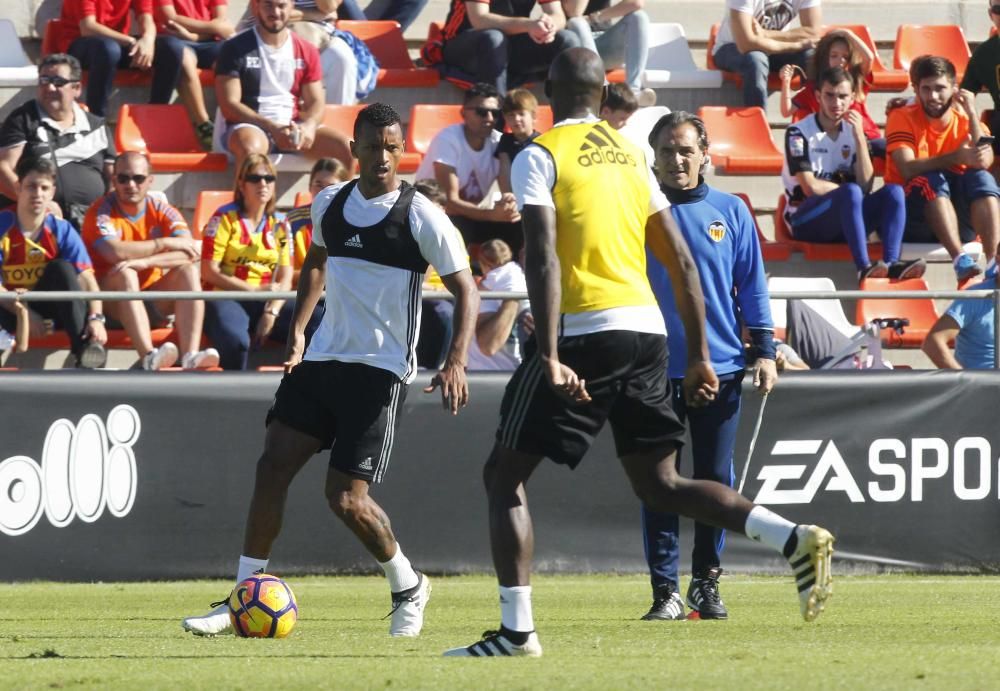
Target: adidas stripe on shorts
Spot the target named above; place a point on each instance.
(626, 376)
(355, 404)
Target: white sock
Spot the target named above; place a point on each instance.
(515, 608)
(767, 527)
(249, 566)
(399, 572)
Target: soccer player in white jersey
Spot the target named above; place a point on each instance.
(373, 238)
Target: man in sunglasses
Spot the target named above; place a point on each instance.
(140, 242)
(55, 127)
(462, 159)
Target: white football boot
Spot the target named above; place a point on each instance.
(811, 564)
(215, 623)
(408, 608)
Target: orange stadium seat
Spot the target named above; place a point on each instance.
(206, 205)
(741, 140)
(165, 132)
(921, 312)
(946, 40)
(543, 118)
(771, 251)
(883, 78)
(426, 120)
(773, 80)
(117, 338)
(386, 42)
(816, 251)
(302, 198)
(124, 77)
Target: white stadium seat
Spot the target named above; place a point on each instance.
(16, 69)
(670, 64)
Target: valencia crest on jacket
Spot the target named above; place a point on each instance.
(717, 230)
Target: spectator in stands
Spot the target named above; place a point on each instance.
(54, 126)
(325, 172)
(437, 317)
(498, 42)
(969, 323)
(315, 21)
(754, 41)
(498, 344)
(722, 237)
(402, 11)
(246, 247)
(618, 106)
(828, 178)
(461, 158)
(935, 150)
(838, 48)
(140, 242)
(98, 34)
(619, 33)
(269, 91)
(982, 73)
(519, 108)
(190, 35)
(40, 252)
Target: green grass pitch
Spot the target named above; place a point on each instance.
(879, 632)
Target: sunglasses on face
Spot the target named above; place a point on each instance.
(254, 178)
(56, 81)
(995, 9)
(124, 179)
(485, 112)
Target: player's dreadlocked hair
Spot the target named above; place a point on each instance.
(377, 115)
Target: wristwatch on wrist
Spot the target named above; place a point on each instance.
(97, 318)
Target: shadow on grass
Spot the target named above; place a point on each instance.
(52, 655)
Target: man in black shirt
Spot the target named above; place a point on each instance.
(497, 41)
(54, 126)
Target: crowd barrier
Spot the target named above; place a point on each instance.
(131, 475)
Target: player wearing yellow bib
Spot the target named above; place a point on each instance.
(589, 204)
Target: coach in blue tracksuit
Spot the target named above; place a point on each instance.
(720, 231)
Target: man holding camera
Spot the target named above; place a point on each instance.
(828, 178)
(940, 151)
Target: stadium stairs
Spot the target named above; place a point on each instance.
(763, 191)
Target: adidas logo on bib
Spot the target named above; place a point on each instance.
(354, 242)
(366, 464)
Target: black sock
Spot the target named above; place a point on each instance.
(515, 637)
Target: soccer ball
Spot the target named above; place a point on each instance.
(262, 606)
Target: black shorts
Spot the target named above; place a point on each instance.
(626, 376)
(352, 404)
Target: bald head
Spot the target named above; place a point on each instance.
(578, 66)
(575, 83)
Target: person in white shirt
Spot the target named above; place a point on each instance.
(268, 83)
(498, 344)
(462, 159)
(373, 240)
(754, 40)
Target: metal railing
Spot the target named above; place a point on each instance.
(256, 296)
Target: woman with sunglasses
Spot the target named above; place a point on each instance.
(245, 247)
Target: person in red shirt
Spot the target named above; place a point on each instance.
(190, 33)
(99, 33)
